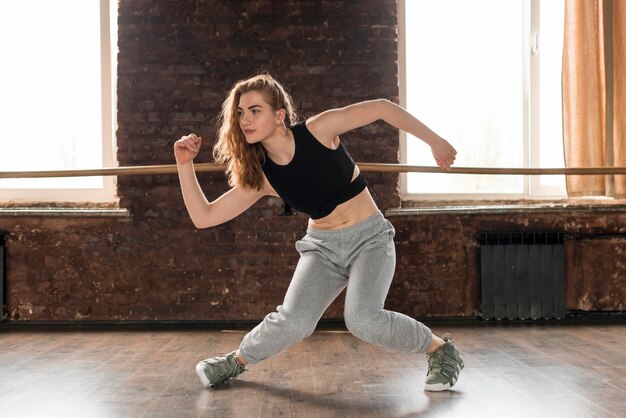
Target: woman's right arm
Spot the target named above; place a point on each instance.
(203, 213)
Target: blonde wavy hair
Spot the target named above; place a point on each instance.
(243, 160)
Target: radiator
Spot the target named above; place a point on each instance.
(522, 275)
(2, 277)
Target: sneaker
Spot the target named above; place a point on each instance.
(444, 366)
(216, 370)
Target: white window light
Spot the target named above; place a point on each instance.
(57, 101)
(485, 75)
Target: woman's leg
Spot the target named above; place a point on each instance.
(315, 284)
(370, 278)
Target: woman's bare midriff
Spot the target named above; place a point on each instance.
(349, 213)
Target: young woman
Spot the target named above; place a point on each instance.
(348, 243)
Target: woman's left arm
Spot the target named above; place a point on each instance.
(335, 122)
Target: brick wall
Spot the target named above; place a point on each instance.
(176, 61)
(438, 271)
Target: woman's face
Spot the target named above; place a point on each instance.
(257, 119)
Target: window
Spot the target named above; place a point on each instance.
(56, 104)
(485, 75)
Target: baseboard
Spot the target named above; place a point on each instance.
(573, 318)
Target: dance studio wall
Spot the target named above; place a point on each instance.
(176, 61)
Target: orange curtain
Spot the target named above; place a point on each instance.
(619, 89)
(594, 93)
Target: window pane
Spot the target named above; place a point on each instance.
(50, 107)
(551, 105)
(464, 79)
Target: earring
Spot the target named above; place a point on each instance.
(284, 126)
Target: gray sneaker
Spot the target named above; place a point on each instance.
(444, 366)
(216, 370)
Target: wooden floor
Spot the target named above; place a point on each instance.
(510, 371)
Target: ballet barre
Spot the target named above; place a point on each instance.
(365, 167)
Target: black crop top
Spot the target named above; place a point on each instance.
(317, 179)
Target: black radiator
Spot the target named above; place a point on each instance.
(522, 275)
(2, 277)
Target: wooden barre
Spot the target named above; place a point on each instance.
(366, 167)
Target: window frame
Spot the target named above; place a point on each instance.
(532, 188)
(107, 193)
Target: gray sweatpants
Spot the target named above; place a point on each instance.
(361, 257)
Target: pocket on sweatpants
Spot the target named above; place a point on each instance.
(384, 236)
(390, 229)
(303, 245)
